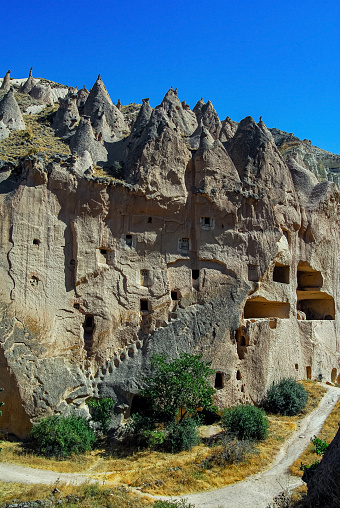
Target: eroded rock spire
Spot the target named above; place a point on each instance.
(10, 112)
(29, 84)
(84, 140)
(5, 85)
(99, 103)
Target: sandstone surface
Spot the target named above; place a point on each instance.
(145, 242)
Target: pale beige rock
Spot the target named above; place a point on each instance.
(224, 250)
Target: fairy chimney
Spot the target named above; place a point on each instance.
(10, 112)
(29, 84)
(67, 116)
(5, 85)
(84, 140)
(98, 103)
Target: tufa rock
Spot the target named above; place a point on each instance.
(82, 96)
(184, 120)
(5, 85)
(42, 92)
(29, 84)
(99, 104)
(4, 132)
(10, 112)
(84, 141)
(67, 117)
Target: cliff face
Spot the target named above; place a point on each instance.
(207, 242)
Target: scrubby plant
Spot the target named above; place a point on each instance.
(61, 436)
(245, 422)
(101, 411)
(181, 436)
(288, 397)
(231, 451)
(181, 503)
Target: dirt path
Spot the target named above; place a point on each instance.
(255, 492)
(260, 489)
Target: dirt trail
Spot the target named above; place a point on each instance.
(258, 490)
(255, 492)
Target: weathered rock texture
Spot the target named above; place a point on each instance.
(10, 113)
(324, 482)
(221, 248)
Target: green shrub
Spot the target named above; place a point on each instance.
(320, 445)
(181, 436)
(288, 397)
(60, 436)
(245, 422)
(101, 411)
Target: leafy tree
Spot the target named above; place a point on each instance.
(288, 397)
(101, 411)
(173, 394)
(178, 388)
(61, 436)
(246, 422)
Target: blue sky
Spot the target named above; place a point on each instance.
(275, 59)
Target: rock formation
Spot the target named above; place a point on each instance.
(67, 116)
(182, 233)
(10, 112)
(29, 84)
(43, 93)
(84, 141)
(106, 118)
(324, 482)
(5, 85)
(82, 96)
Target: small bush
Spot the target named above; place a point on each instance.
(320, 445)
(182, 503)
(288, 397)
(232, 451)
(245, 422)
(60, 436)
(181, 436)
(101, 411)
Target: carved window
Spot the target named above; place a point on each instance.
(281, 274)
(144, 278)
(207, 223)
(253, 273)
(144, 305)
(128, 240)
(174, 295)
(219, 380)
(184, 245)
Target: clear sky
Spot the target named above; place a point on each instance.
(278, 59)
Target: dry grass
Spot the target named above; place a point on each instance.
(327, 433)
(91, 496)
(165, 473)
(38, 138)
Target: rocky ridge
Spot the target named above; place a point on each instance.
(131, 230)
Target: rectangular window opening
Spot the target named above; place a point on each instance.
(219, 380)
(144, 278)
(195, 274)
(174, 295)
(128, 240)
(144, 305)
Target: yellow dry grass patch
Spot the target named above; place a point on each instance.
(92, 496)
(165, 473)
(38, 138)
(327, 433)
